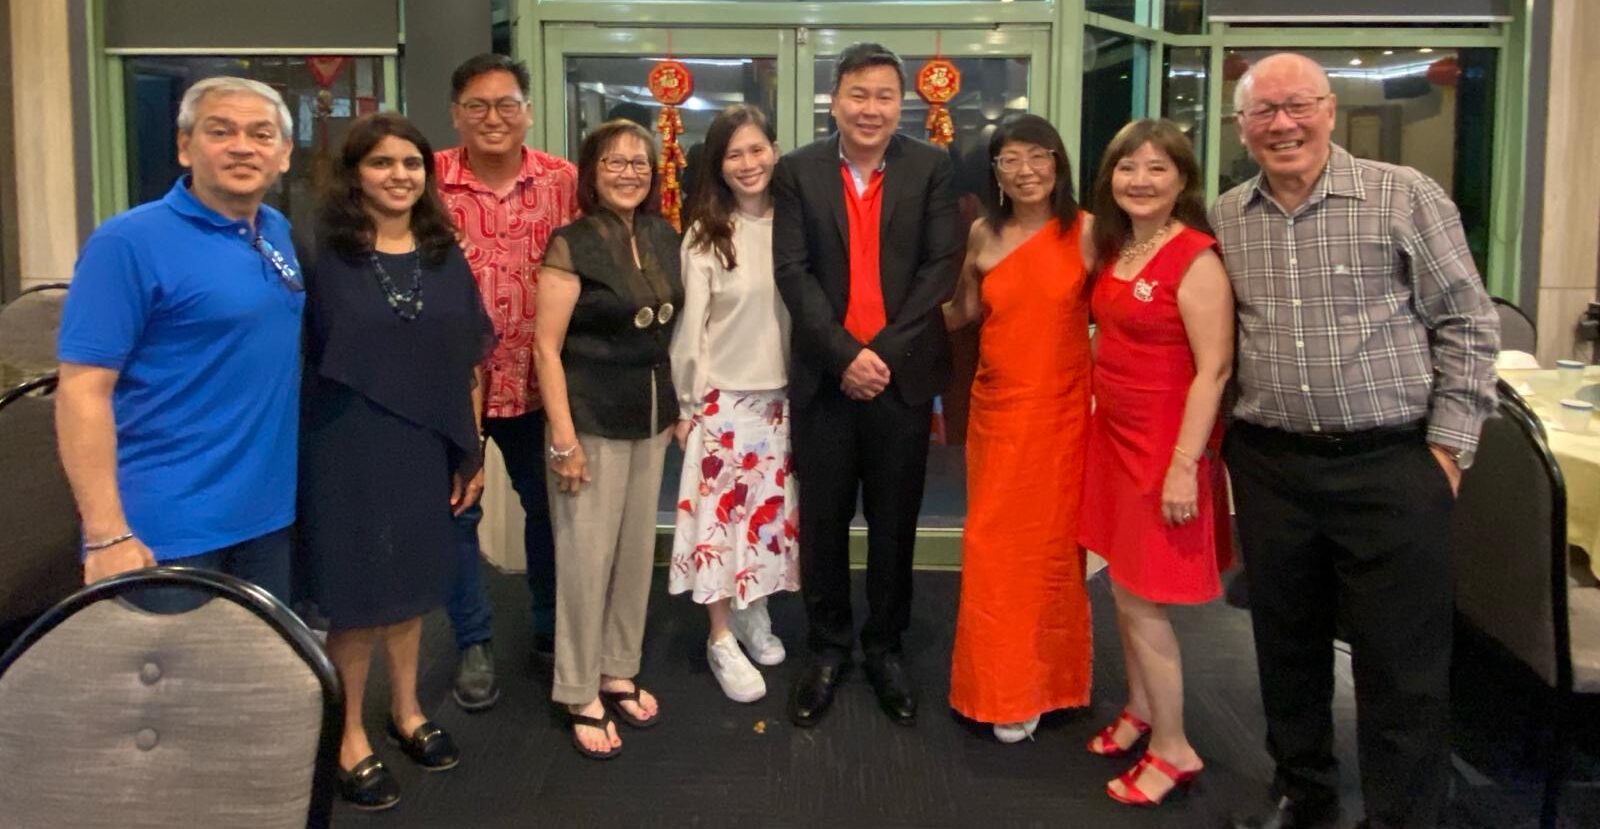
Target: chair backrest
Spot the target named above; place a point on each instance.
(227, 715)
(28, 327)
(38, 518)
(1517, 332)
(1509, 542)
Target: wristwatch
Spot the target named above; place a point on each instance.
(1462, 457)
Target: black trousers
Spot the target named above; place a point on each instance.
(1353, 534)
(878, 449)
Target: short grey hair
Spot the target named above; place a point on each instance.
(228, 85)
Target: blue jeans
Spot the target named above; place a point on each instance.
(521, 441)
(262, 561)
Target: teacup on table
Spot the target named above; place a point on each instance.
(1574, 416)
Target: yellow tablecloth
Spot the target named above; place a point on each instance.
(1577, 455)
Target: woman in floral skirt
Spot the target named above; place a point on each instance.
(736, 528)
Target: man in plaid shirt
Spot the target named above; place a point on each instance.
(1365, 371)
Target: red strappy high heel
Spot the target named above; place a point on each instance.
(1132, 795)
(1103, 744)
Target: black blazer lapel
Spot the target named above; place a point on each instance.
(897, 182)
(833, 190)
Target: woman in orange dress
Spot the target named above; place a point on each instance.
(1022, 633)
(1163, 311)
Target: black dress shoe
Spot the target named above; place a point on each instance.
(369, 785)
(429, 746)
(544, 648)
(475, 688)
(888, 678)
(813, 692)
(1293, 814)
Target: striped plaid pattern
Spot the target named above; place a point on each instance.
(1361, 308)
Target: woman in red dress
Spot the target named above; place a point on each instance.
(1153, 503)
(1022, 632)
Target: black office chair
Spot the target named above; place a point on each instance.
(1509, 542)
(38, 518)
(226, 715)
(28, 327)
(1517, 331)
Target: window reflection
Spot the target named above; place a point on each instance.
(1424, 108)
(1110, 83)
(1183, 93)
(154, 88)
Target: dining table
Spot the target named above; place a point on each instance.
(1578, 455)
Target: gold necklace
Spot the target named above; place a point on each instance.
(1134, 250)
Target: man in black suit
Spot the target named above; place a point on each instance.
(866, 248)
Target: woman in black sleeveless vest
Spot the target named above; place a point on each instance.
(609, 289)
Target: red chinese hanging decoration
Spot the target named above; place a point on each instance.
(671, 84)
(938, 81)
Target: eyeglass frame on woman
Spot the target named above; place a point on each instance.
(1263, 113)
(1027, 161)
(286, 272)
(477, 109)
(616, 164)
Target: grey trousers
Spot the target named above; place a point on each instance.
(605, 548)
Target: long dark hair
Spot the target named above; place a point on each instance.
(1111, 224)
(1027, 128)
(595, 145)
(713, 204)
(345, 225)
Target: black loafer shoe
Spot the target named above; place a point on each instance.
(813, 692)
(369, 785)
(544, 648)
(429, 746)
(888, 678)
(1293, 814)
(475, 688)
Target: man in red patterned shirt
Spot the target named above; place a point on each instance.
(505, 199)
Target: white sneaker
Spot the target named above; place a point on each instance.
(739, 679)
(1016, 732)
(753, 628)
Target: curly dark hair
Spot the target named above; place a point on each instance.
(344, 224)
(1111, 225)
(713, 204)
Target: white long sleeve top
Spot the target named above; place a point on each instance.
(734, 332)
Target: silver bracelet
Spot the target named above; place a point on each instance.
(110, 542)
(558, 455)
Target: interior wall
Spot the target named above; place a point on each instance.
(1570, 236)
(9, 272)
(44, 150)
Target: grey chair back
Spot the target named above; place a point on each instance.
(28, 328)
(1517, 332)
(227, 715)
(1509, 540)
(38, 518)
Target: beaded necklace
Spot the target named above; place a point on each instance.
(1134, 250)
(406, 304)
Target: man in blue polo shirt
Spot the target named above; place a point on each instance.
(177, 406)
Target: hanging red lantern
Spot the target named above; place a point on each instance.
(671, 84)
(1234, 66)
(938, 81)
(1444, 72)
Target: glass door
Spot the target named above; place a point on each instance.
(595, 74)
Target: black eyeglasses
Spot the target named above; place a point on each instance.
(286, 272)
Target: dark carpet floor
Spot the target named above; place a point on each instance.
(713, 762)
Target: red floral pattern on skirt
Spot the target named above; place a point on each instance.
(736, 518)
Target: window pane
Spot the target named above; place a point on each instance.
(991, 89)
(154, 88)
(1424, 108)
(1183, 93)
(1122, 9)
(1185, 17)
(1112, 86)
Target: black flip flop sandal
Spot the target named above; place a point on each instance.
(613, 702)
(593, 722)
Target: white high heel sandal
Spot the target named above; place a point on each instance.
(1016, 732)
